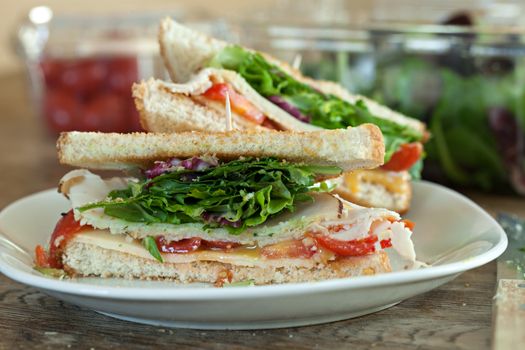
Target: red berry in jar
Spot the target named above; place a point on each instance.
(61, 110)
(51, 71)
(134, 120)
(106, 113)
(123, 73)
(84, 76)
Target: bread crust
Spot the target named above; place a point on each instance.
(197, 49)
(349, 149)
(82, 259)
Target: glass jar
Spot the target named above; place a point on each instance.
(466, 83)
(81, 69)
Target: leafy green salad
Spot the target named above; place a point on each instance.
(476, 119)
(234, 195)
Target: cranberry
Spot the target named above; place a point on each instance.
(61, 110)
(105, 113)
(123, 73)
(84, 76)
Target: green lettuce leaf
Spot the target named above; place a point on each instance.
(51, 272)
(457, 107)
(324, 110)
(237, 195)
(151, 246)
(415, 170)
(245, 283)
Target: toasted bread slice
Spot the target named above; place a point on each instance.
(81, 259)
(349, 149)
(185, 52)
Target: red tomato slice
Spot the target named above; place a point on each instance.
(294, 249)
(239, 103)
(186, 245)
(269, 124)
(356, 247)
(41, 257)
(219, 245)
(386, 243)
(406, 156)
(65, 229)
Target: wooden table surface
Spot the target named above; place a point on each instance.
(456, 315)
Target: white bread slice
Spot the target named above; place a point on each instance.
(349, 149)
(81, 259)
(185, 52)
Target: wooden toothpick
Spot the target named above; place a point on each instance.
(297, 60)
(229, 123)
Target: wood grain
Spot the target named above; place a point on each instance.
(509, 314)
(455, 316)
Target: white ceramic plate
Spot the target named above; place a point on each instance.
(452, 234)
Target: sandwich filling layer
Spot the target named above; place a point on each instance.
(203, 193)
(371, 188)
(321, 243)
(211, 86)
(325, 228)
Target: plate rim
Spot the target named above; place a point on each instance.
(266, 291)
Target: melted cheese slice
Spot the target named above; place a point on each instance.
(394, 182)
(237, 256)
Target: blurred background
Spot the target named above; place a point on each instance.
(457, 65)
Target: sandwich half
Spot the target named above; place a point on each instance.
(267, 93)
(221, 208)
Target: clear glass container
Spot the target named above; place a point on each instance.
(81, 69)
(466, 83)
